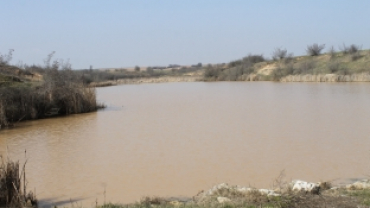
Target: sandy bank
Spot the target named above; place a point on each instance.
(148, 80)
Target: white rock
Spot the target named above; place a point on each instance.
(273, 194)
(221, 199)
(299, 185)
(265, 191)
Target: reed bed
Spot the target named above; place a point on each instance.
(13, 191)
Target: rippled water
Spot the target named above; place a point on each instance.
(175, 139)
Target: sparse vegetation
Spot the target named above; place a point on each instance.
(351, 64)
(340, 198)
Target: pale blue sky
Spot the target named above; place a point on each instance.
(113, 33)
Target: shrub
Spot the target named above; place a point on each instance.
(333, 66)
(235, 63)
(137, 68)
(6, 58)
(315, 49)
(212, 72)
(279, 54)
(352, 49)
(253, 59)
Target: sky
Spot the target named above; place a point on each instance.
(125, 33)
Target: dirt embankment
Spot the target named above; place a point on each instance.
(364, 77)
(148, 80)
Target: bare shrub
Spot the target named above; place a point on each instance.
(253, 59)
(279, 54)
(235, 63)
(47, 60)
(315, 49)
(352, 49)
(212, 73)
(6, 58)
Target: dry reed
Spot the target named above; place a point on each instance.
(11, 185)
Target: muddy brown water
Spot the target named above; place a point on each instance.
(174, 139)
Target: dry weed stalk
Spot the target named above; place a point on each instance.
(11, 193)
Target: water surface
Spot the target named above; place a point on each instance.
(174, 139)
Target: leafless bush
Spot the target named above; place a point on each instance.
(279, 54)
(235, 63)
(352, 49)
(212, 73)
(315, 49)
(47, 60)
(6, 58)
(253, 59)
